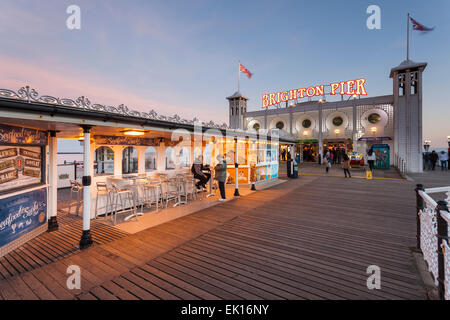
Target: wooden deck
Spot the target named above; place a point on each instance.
(311, 238)
(49, 247)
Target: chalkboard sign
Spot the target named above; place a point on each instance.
(21, 214)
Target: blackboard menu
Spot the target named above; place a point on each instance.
(19, 166)
(21, 214)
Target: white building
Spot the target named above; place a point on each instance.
(354, 124)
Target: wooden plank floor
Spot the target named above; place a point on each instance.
(311, 238)
(49, 247)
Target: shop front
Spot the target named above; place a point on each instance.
(120, 147)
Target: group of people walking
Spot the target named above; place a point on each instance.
(344, 160)
(430, 160)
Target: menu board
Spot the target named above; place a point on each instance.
(19, 166)
(21, 214)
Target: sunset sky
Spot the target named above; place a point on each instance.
(182, 56)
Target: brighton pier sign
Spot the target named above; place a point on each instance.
(349, 87)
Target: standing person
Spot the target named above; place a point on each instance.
(221, 175)
(427, 161)
(434, 158)
(327, 161)
(339, 155)
(443, 157)
(371, 159)
(346, 164)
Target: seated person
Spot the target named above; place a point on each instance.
(197, 170)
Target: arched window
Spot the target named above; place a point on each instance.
(170, 158)
(129, 160)
(150, 159)
(208, 151)
(183, 157)
(104, 161)
(197, 153)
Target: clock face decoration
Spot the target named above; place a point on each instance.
(306, 123)
(337, 121)
(374, 118)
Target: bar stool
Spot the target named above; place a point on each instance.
(117, 195)
(170, 190)
(152, 193)
(103, 191)
(75, 188)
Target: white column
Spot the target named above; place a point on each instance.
(236, 168)
(320, 135)
(354, 137)
(53, 182)
(86, 239)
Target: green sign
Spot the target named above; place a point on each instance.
(308, 141)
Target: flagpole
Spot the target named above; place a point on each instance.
(407, 38)
(239, 75)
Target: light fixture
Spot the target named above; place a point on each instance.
(337, 131)
(133, 133)
(373, 129)
(305, 133)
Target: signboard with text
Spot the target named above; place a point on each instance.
(349, 87)
(21, 214)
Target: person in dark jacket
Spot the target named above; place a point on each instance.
(197, 170)
(220, 174)
(434, 158)
(346, 164)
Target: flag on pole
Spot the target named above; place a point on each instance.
(419, 27)
(244, 70)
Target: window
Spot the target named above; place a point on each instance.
(306, 123)
(150, 159)
(374, 118)
(104, 161)
(129, 160)
(170, 158)
(401, 84)
(184, 157)
(280, 125)
(337, 121)
(197, 153)
(257, 126)
(208, 152)
(414, 82)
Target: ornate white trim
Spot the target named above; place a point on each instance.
(30, 95)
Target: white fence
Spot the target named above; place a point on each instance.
(433, 230)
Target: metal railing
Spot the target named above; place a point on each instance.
(400, 164)
(433, 221)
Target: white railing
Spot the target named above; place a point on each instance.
(400, 163)
(435, 226)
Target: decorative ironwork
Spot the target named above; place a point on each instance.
(428, 238)
(30, 95)
(446, 249)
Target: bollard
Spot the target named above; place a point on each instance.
(442, 230)
(419, 206)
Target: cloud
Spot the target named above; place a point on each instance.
(17, 73)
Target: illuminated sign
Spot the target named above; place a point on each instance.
(349, 87)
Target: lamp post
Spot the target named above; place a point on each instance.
(448, 141)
